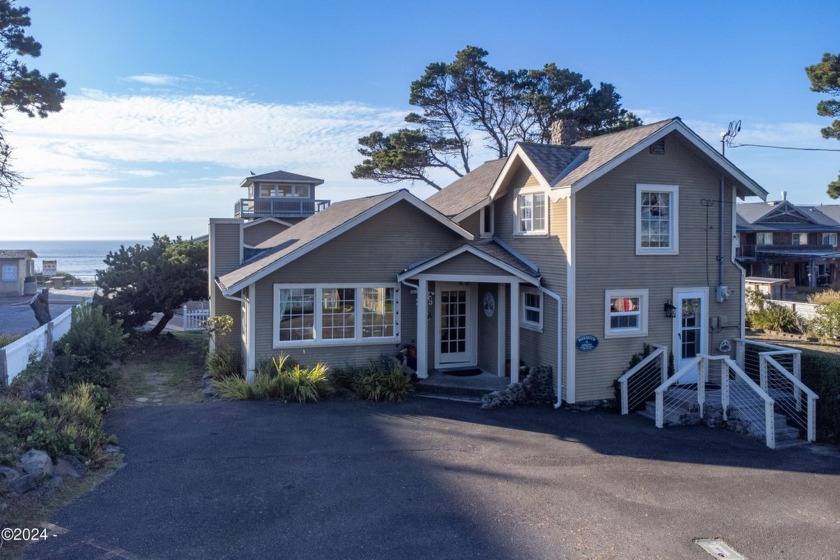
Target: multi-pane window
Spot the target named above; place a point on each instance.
(829, 239)
(800, 238)
(531, 313)
(296, 313)
(626, 313)
(334, 314)
(338, 313)
(378, 312)
(531, 213)
(764, 238)
(272, 190)
(657, 211)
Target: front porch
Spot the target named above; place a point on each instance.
(475, 304)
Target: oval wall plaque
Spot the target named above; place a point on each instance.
(586, 343)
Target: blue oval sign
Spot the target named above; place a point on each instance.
(586, 343)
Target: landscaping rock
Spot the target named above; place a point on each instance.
(37, 463)
(537, 388)
(70, 466)
(23, 484)
(7, 475)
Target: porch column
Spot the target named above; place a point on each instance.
(514, 332)
(422, 329)
(812, 274)
(501, 318)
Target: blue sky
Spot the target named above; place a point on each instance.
(170, 104)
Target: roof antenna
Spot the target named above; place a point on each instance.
(726, 137)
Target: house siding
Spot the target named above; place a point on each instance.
(350, 258)
(257, 233)
(466, 264)
(472, 224)
(549, 252)
(606, 259)
(226, 246)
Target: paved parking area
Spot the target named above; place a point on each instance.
(439, 479)
(16, 317)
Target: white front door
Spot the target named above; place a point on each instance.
(691, 333)
(454, 332)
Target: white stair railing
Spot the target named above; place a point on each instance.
(639, 383)
(670, 397)
(788, 392)
(743, 398)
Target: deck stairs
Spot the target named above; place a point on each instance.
(758, 394)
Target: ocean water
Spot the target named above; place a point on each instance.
(79, 258)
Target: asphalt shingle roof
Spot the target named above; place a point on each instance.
(551, 160)
(302, 234)
(467, 191)
(284, 176)
(17, 253)
(608, 147)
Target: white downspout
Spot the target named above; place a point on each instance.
(559, 300)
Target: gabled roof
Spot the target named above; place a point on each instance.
(469, 193)
(488, 250)
(570, 168)
(319, 229)
(17, 254)
(281, 177)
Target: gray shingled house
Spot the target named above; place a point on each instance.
(571, 255)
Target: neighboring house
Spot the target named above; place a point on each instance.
(778, 239)
(15, 266)
(570, 255)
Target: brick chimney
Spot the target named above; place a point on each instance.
(564, 132)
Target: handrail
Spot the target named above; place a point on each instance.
(660, 391)
(768, 345)
(679, 375)
(659, 354)
(769, 403)
(811, 418)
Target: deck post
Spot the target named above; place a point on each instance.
(514, 331)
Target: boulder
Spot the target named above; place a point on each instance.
(37, 463)
(23, 484)
(7, 475)
(69, 466)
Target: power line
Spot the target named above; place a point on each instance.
(784, 147)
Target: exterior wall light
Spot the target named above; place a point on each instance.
(670, 309)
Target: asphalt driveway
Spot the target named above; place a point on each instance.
(439, 479)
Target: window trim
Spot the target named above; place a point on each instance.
(483, 231)
(832, 238)
(796, 239)
(644, 309)
(318, 340)
(674, 219)
(762, 235)
(523, 308)
(526, 191)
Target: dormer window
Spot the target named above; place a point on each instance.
(270, 190)
(531, 212)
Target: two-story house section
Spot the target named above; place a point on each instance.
(571, 255)
(779, 239)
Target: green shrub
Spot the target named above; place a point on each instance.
(774, 318)
(821, 373)
(827, 321)
(223, 362)
(70, 424)
(6, 339)
(276, 379)
(94, 337)
(379, 380)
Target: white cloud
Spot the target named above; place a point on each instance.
(154, 79)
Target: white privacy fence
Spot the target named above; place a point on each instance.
(14, 357)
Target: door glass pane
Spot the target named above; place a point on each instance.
(453, 321)
(691, 325)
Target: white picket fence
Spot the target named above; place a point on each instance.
(194, 318)
(14, 357)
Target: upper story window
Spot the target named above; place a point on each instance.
(829, 239)
(530, 212)
(272, 190)
(486, 225)
(764, 238)
(657, 220)
(800, 238)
